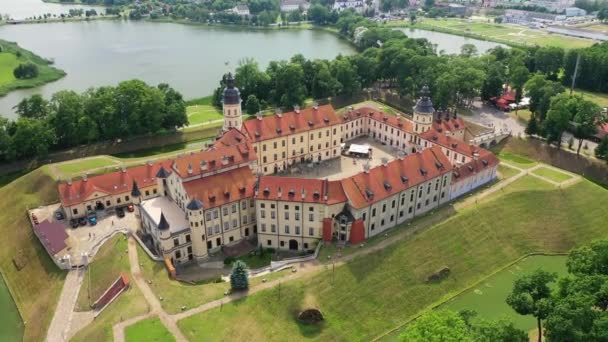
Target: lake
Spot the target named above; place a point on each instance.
(449, 43)
(11, 325)
(21, 9)
(191, 58)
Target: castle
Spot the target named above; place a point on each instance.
(194, 204)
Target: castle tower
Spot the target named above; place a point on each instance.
(195, 215)
(423, 112)
(232, 106)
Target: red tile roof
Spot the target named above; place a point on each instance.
(485, 160)
(112, 183)
(214, 159)
(602, 131)
(275, 126)
(223, 188)
(52, 235)
(381, 182)
(448, 124)
(449, 142)
(292, 189)
(231, 138)
(398, 122)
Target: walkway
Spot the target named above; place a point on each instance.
(59, 330)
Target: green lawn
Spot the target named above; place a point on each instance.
(599, 98)
(37, 285)
(9, 61)
(108, 263)
(488, 297)
(76, 168)
(202, 110)
(502, 33)
(516, 160)
(151, 329)
(506, 172)
(375, 293)
(11, 325)
(554, 175)
(256, 261)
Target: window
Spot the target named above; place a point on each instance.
(297, 216)
(297, 230)
(286, 229)
(410, 210)
(262, 213)
(235, 223)
(274, 144)
(75, 211)
(178, 254)
(273, 228)
(226, 226)
(217, 229)
(287, 215)
(382, 222)
(154, 191)
(311, 217)
(306, 244)
(118, 200)
(373, 226)
(147, 192)
(311, 231)
(374, 212)
(208, 216)
(263, 227)
(393, 204)
(384, 208)
(244, 219)
(107, 203)
(364, 215)
(188, 238)
(209, 232)
(175, 242)
(262, 205)
(392, 218)
(225, 211)
(269, 243)
(272, 214)
(282, 243)
(231, 238)
(264, 147)
(126, 198)
(251, 203)
(243, 205)
(234, 208)
(215, 214)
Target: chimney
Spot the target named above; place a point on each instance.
(149, 163)
(259, 115)
(303, 193)
(401, 155)
(315, 105)
(224, 160)
(384, 161)
(279, 192)
(326, 188)
(123, 168)
(296, 109)
(279, 112)
(69, 181)
(204, 165)
(85, 177)
(190, 171)
(366, 167)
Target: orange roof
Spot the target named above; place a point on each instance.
(112, 183)
(382, 181)
(398, 122)
(448, 124)
(222, 188)
(449, 142)
(275, 126)
(213, 159)
(485, 160)
(230, 138)
(300, 190)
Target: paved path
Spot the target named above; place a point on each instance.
(59, 330)
(155, 307)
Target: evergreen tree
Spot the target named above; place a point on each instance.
(239, 279)
(601, 151)
(252, 105)
(532, 127)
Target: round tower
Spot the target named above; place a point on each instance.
(231, 104)
(195, 216)
(423, 112)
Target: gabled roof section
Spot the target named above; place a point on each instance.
(298, 121)
(300, 190)
(213, 159)
(364, 188)
(450, 143)
(222, 188)
(485, 160)
(231, 138)
(446, 123)
(398, 122)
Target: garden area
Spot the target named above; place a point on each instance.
(389, 287)
(202, 111)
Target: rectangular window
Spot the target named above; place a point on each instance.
(262, 213)
(311, 231)
(297, 216)
(217, 229)
(234, 223)
(273, 228)
(175, 242)
(234, 208)
(263, 227)
(287, 215)
(226, 226)
(225, 211)
(269, 243)
(297, 230)
(209, 232)
(272, 214)
(244, 219)
(216, 214)
(243, 205)
(208, 216)
(286, 229)
(311, 217)
(188, 238)
(178, 254)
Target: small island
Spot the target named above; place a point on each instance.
(20, 68)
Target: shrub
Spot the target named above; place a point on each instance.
(239, 279)
(26, 70)
(229, 260)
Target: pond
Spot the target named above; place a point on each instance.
(449, 43)
(191, 58)
(21, 9)
(11, 325)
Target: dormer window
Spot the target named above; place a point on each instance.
(470, 167)
(316, 195)
(237, 138)
(404, 179)
(279, 130)
(292, 127)
(387, 186)
(266, 191)
(438, 164)
(292, 192)
(484, 162)
(369, 193)
(257, 134)
(423, 171)
(310, 123)
(325, 119)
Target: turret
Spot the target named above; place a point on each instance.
(195, 211)
(231, 103)
(423, 111)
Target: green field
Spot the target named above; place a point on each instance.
(151, 329)
(201, 111)
(106, 267)
(502, 33)
(488, 297)
(9, 61)
(37, 285)
(506, 172)
(76, 168)
(552, 174)
(375, 293)
(11, 325)
(516, 160)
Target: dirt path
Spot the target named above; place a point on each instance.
(59, 330)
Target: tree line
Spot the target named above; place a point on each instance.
(70, 119)
(575, 309)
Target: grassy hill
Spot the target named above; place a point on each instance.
(11, 56)
(36, 287)
(375, 293)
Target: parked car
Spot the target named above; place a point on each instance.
(120, 212)
(92, 217)
(82, 221)
(59, 215)
(74, 223)
(130, 208)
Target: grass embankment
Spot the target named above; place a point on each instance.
(509, 34)
(11, 56)
(505, 172)
(378, 292)
(552, 174)
(108, 263)
(78, 166)
(36, 287)
(177, 294)
(151, 329)
(202, 111)
(516, 160)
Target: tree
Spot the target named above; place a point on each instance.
(493, 83)
(26, 70)
(346, 74)
(288, 83)
(589, 260)
(601, 151)
(318, 14)
(35, 107)
(549, 61)
(585, 120)
(32, 138)
(531, 295)
(532, 126)
(468, 50)
(175, 107)
(66, 109)
(239, 278)
(252, 104)
(324, 84)
(558, 118)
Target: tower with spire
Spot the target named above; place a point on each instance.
(423, 111)
(231, 104)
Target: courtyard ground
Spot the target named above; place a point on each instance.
(388, 287)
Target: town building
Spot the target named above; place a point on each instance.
(242, 10)
(341, 5)
(294, 5)
(193, 205)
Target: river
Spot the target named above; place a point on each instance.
(449, 43)
(21, 9)
(190, 58)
